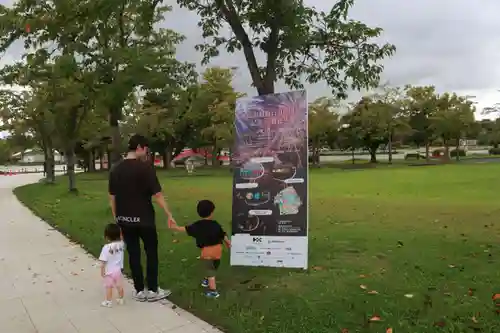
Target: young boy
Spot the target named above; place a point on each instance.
(209, 237)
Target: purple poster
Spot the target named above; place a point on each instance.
(270, 187)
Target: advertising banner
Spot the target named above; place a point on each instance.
(270, 186)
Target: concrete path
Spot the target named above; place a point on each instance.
(49, 285)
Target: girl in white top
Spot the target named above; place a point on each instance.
(111, 259)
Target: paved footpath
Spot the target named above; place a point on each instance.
(49, 285)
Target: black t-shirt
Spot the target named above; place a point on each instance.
(206, 233)
(133, 183)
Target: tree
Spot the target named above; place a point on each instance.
(390, 100)
(117, 39)
(453, 118)
(24, 113)
(298, 42)
(489, 132)
(323, 125)
(213, 110)
(421, 103)
(375, 119)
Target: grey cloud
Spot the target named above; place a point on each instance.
(452, 44)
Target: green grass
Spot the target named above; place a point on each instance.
(429, 232)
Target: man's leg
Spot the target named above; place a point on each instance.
(149, 238)
(131, 237)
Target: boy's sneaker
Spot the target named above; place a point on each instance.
(212, 294)
(119, 301)
(204, 283)
(106, 304)
(157, 296)
(140, 296)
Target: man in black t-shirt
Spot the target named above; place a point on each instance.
(132, 185)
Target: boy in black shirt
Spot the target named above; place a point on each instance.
(209, 237)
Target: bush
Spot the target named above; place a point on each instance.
(460, 152)
(414, 156)
(494, 151)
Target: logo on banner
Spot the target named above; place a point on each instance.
(257, 240)
(251, 171)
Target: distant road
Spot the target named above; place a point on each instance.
(384, 157)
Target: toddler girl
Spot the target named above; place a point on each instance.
(111, 259)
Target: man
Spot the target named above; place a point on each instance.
(132, 185)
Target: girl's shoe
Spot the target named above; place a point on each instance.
(212, 294)
(107, 304)
(204, 283)
(119, 301)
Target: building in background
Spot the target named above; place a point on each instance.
(35, 156)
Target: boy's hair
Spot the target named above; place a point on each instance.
(205, 208)
(112, 232)
(137, 140)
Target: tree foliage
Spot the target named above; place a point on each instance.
(298, 41)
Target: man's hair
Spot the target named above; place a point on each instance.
(137, 140)
(205, 208)
(112, 232)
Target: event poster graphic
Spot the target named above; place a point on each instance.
(270, 186)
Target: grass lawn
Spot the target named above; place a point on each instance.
(423, 239)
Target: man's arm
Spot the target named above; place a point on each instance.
(156, 192)
(111, 191)
(112, 204)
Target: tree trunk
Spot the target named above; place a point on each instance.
(92, 160)
(215, 154)
(116, 141)
(457, 153)
(352, 156)
(101, 158)
(108, 158)
(50, 176)
(389, 144)
(427, 153)
(167, 157)
(446, 150)
(70, 163)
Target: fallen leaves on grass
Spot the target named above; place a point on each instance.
(375, 319)
(389, 330)
(470, 292)
(373, 292)
(439, 323)
(451, 266)
(344, 330)
(317, 268)
(409, 295)
(362, 286)
(362, 276)
(175, 241)
(474, 319)
(496, 297)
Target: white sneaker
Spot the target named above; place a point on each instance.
(120, 301)
(140, 296)
(159, 295)
(107, 304)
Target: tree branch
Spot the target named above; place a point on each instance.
(229, 12)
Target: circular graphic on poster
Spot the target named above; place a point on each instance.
(251, 171)
(248, 223)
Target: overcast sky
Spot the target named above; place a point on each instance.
(452, 44)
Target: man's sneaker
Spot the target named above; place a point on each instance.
(204, 283)
(159, 295)
(140, 296)
(119, 301)
(106, 304)
(212, 294)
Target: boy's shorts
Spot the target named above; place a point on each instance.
(210, 266)
(114, 279)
